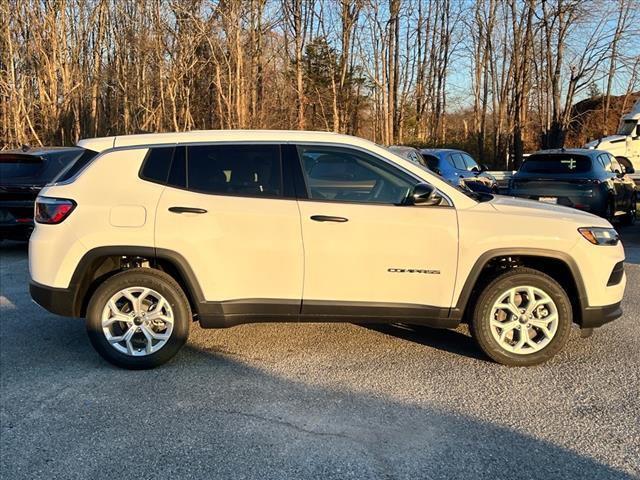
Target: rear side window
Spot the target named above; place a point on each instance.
(457, 161)
(557, 163)
(157, 164)
(246, 170)
(82, 161)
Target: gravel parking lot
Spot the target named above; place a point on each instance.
(314, 401)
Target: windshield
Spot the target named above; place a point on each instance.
(627, 127)
(556, 163)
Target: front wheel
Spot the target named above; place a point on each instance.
(138, 318)
(522, 318)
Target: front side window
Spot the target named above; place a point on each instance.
(470, 163)
(347, 175)
(245, 170)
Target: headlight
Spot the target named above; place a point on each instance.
(599, 235)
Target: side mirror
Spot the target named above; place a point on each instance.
(484, 167)
(629, 169)
(423, 194)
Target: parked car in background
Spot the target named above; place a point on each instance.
(589, 180)
(460, 169)
(23, 173)
(409, 153)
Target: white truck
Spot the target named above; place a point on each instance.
(625, 145)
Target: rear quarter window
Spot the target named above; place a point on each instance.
(560, 164)
(77, 166)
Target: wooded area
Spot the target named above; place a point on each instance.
(492, 76)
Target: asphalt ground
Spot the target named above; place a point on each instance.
(286, 401)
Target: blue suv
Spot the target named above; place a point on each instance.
(460, 169)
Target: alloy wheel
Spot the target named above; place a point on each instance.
(524, 320)
(137, 321)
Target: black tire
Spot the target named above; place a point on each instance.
(630, 217)
(610, 212)
(156, 280)
(481, 322)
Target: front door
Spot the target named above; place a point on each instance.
(365, 253)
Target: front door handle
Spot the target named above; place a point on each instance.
(328, 218)
(186, 210)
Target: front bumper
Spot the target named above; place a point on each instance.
(593, 317)
(60, 301)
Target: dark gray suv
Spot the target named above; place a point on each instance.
(590, 180)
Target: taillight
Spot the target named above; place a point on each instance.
(53, 210)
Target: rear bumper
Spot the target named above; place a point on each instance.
(60, 301)
(593, 317)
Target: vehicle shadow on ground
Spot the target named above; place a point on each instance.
(210, 415)
(452, 341)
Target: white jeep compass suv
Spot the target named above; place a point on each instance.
(226, 227)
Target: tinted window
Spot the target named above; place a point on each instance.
(456, 160)
(347, 175)
(13, 169)
(432, 161)
(251, 170)
(157, 164)
(178, 173)
(81, 162)
(557, 163)
(37, 168)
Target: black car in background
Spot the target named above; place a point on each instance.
(590, 180)
(460, 169)
(23, 173)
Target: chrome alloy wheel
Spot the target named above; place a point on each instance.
(137, 321)
(524, 320)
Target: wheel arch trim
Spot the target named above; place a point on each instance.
(474, 274)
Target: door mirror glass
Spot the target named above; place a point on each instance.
(484, 167)
(424, 194)
(629, 169)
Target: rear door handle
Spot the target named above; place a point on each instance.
(186, 210)
(328, 218)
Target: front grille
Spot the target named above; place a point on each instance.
(616, 275)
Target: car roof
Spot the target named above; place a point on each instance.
(575, 151)
(38, 151)
(441, 150)
(401, 147)
(204, 136)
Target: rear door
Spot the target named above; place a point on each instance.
(227, 212)
(365, 253)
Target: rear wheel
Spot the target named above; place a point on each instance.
(138, 319)
(522, 318)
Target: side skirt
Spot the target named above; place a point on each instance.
(236, 312)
